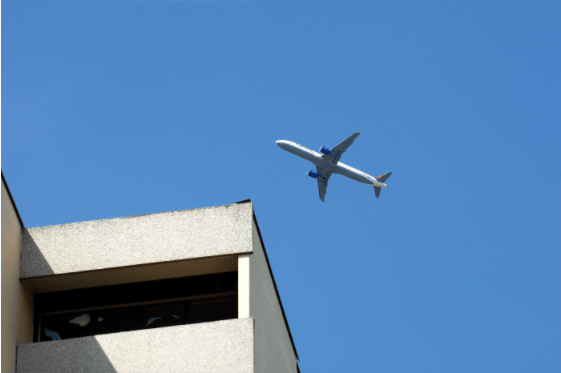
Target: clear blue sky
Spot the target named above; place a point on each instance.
(113, 109)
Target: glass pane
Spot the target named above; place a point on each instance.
(114, 321)
(163, 315)
(214, 309)
(58, 327)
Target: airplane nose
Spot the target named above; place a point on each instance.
(281, 143)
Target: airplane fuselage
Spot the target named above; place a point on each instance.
(336, 168)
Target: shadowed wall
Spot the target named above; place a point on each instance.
(17, 306)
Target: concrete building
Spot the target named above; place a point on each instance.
(182, 291)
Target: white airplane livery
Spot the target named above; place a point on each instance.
(328, 163)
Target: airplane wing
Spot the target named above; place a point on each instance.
(323, 178)
(342, 147)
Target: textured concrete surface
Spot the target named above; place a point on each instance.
(221, 346)
(273, 348)
(135, 240)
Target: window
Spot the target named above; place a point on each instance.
(121, 308)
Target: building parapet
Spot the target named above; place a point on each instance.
(137, 240)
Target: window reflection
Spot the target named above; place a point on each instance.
(163, 315)
(54, 335)
(59, 327)
(82, 320)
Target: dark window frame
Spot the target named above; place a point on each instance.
(220, 287)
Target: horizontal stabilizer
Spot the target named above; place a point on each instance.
(377, 190)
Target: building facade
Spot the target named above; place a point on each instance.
(182, 291)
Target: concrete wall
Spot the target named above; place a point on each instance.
(17, 307)
(137, 240)
(258, 341)
(221, 346)
(273, 347)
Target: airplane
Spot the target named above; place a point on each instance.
(328, 163)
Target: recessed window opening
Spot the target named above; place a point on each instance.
(146, 305)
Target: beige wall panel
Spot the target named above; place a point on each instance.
(221, 346)
(11, 250)
(273, 347)
(25, 327)
(243, 286)
(136, 240)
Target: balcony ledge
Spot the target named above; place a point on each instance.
(220, 346)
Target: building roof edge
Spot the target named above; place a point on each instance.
(12, 199)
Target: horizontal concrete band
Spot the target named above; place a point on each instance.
(136, 240)
(221, 346)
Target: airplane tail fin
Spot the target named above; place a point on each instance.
(381, 179)
(384, 177)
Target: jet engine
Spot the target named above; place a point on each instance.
(313, 174)
(324, 150)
